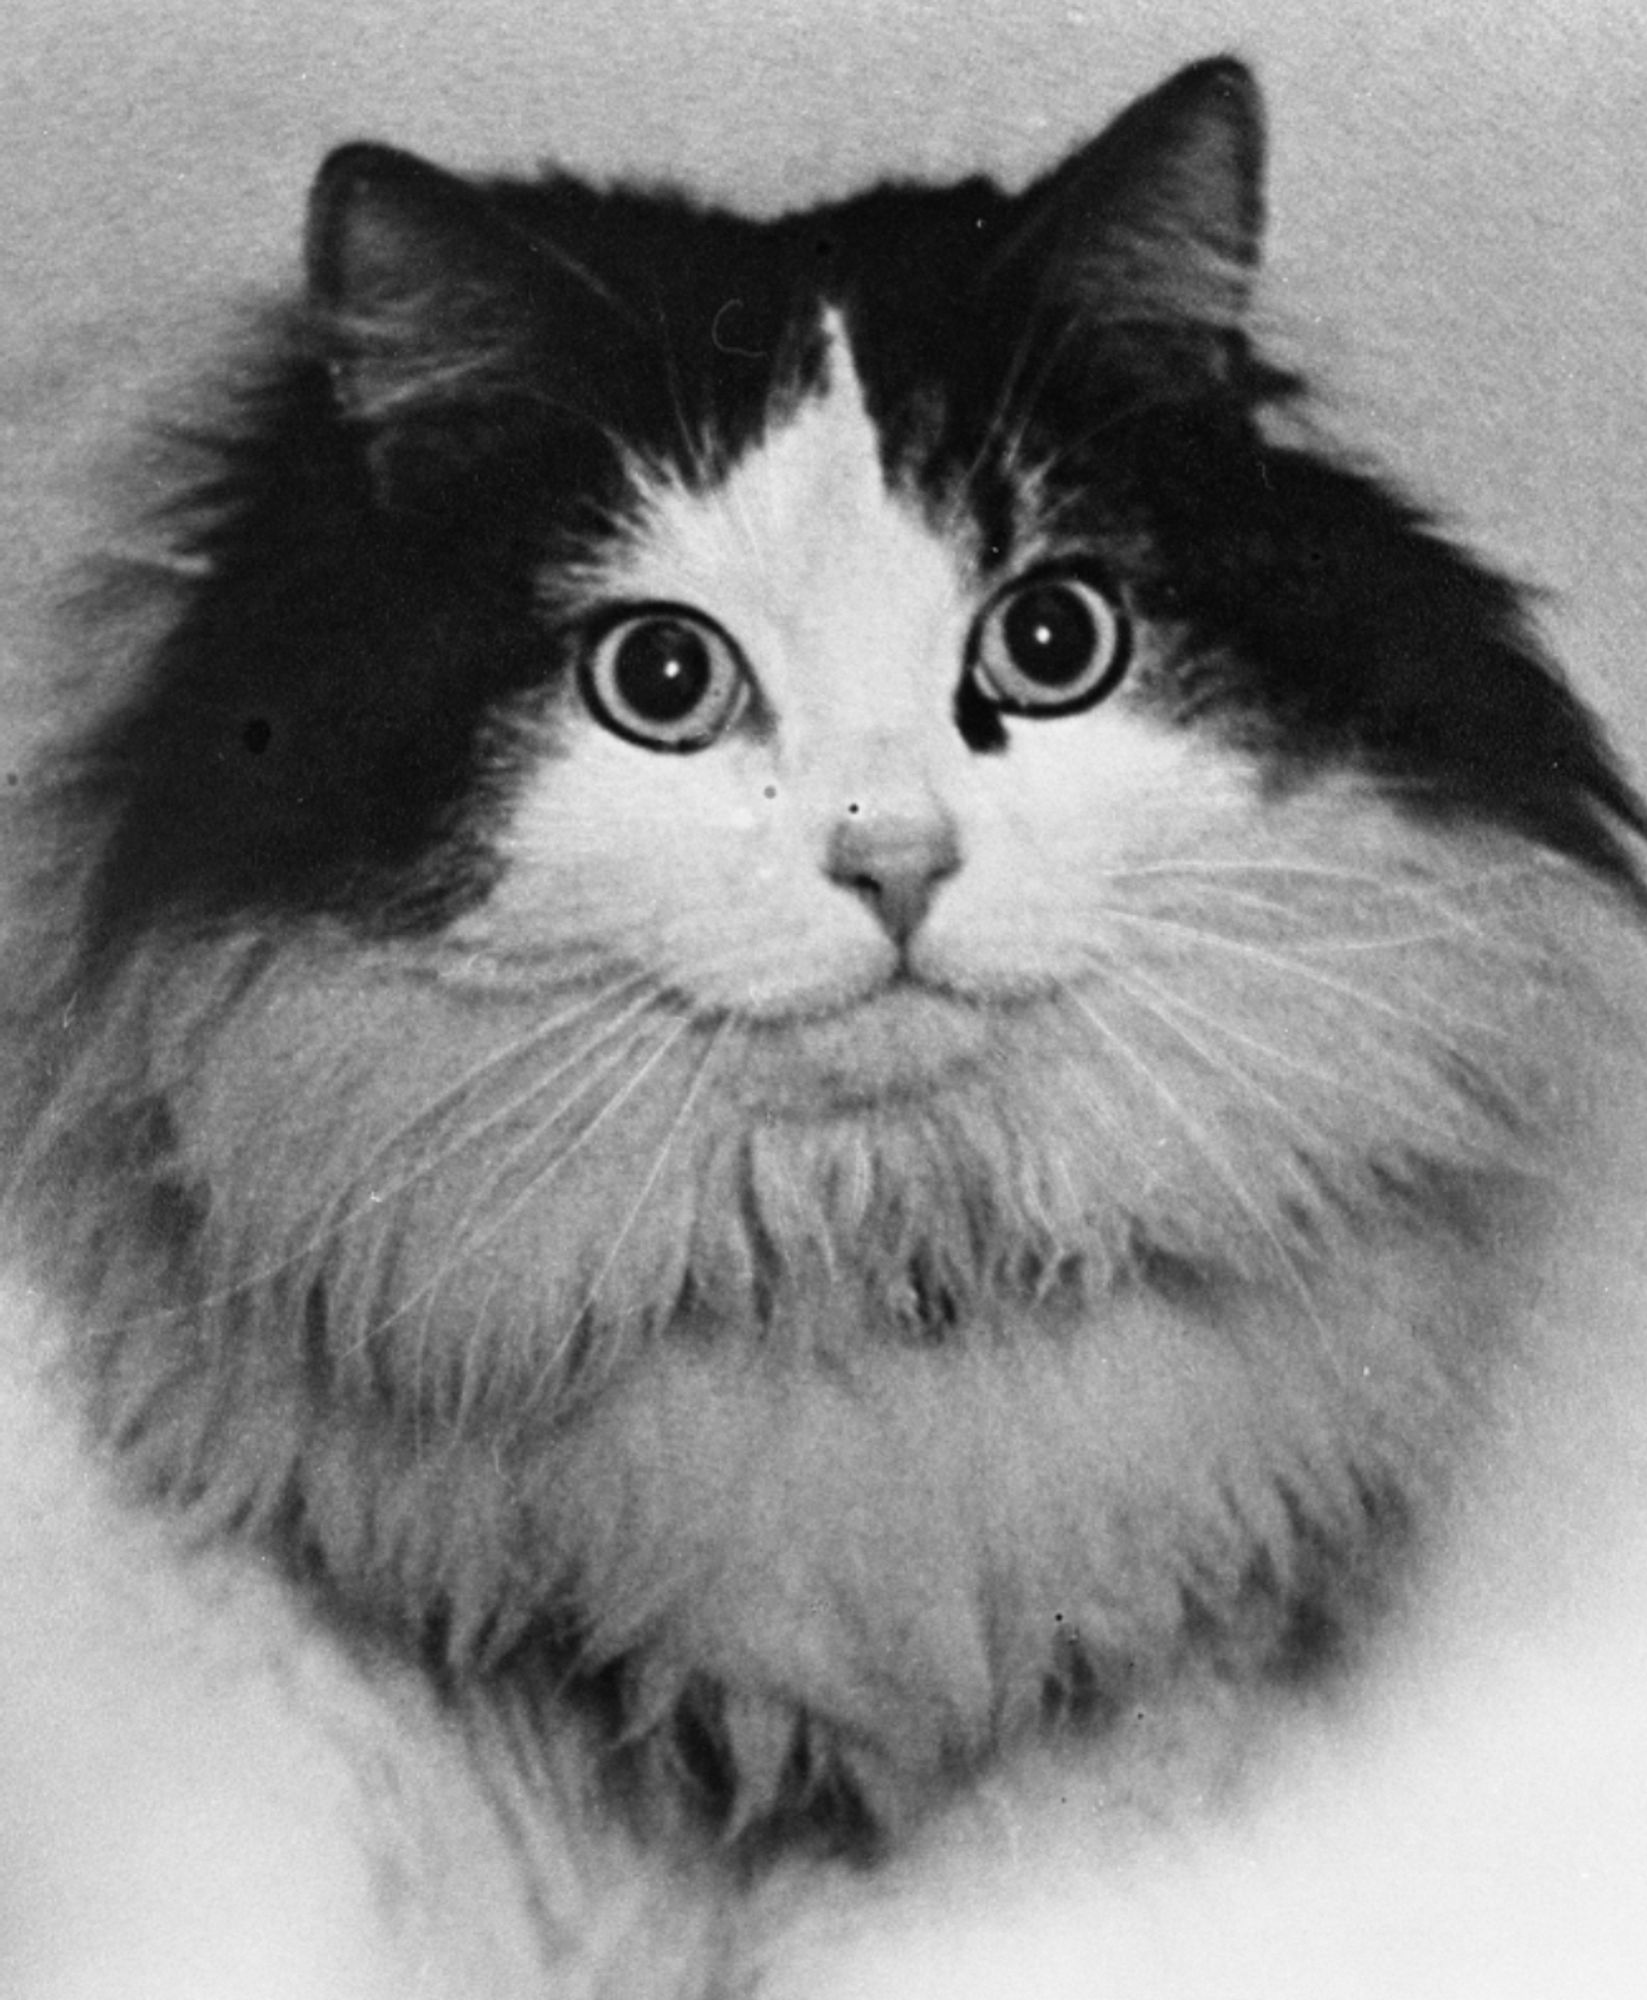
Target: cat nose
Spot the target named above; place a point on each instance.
(896, 862)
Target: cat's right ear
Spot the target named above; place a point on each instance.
(1159, 220)
(417, 285)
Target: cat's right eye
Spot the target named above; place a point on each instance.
(663, 676)
(1049, 644)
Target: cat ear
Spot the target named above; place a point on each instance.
(420, 287)
(1160, 219)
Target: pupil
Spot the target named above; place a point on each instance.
(662, 671)
(1051, 636)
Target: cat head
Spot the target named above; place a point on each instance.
(727, 791)
(566, 514)
(886, 676)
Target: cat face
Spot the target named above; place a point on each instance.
(806, 839)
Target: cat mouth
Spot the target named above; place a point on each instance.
(904, 1038)
(902, 986)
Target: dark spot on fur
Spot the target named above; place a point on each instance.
(979, 721)
(1079, 1693)
(682, 1771)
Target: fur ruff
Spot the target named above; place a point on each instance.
(1138, 1367)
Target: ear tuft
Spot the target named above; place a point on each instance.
(382, 223)
(1161, 217)
(415, 281)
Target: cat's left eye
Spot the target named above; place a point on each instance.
(1049, 644)
(665, 677)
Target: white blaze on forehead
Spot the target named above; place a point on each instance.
(821, 572)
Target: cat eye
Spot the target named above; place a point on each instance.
(664, 677)
(1049, 644)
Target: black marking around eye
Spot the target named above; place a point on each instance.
(977, 718)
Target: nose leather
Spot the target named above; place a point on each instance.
(894, 862)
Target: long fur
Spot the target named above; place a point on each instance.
(370, 1299)
(658, 1440)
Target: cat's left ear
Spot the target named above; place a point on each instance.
(1160, 219)
(420, 287)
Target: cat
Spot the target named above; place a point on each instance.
(810, 1031)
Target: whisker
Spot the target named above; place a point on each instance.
(499, 1221)
(1216, 1159)
(1007, 429)
(499, 1170)
(356, 1204)
(608, 1037)
(996, 429)
(1394, 885)
(1292, 966)
(714, 1043)
(1448, 897)
(332, 1224)
(1163, 1004)
(1459, 924)
(1114, 418)
(694, 450)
